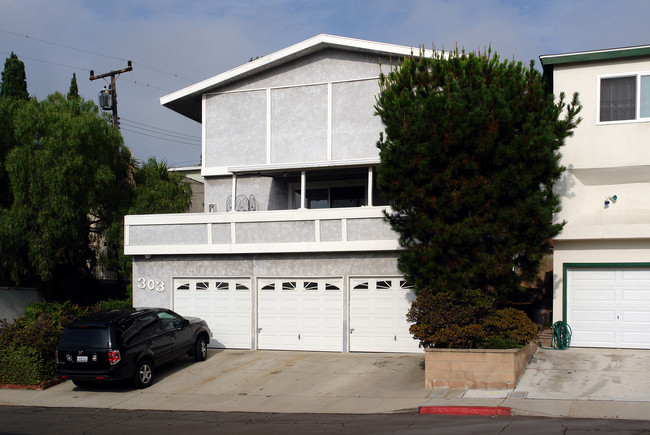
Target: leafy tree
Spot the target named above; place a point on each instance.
(14, 80)
(67, 175)
(74, 90)
(468, 162)
(155, 190)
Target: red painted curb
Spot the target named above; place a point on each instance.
(465, 410)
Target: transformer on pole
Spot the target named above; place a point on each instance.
(108, 97)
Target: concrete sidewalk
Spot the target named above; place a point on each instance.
(587, 383)
(584, 383)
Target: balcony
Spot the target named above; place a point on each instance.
(278, 231)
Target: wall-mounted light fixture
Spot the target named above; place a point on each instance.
(610, 200)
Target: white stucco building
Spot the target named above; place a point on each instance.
(602, 257)
(292, 251)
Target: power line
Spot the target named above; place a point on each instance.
(162, 138)
(56, 44)
(157, 131)
(51, 63)
(135, 82)
(189, 136)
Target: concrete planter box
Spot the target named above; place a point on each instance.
(475, 368)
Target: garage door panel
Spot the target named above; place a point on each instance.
(309, 314)
(592, 275)
(636, 295)
(227, 311)
(609, 307)
(600, 338)
(635, 275)
(632, 316)
(594, 294)
(378, 308)
(637, 339)
(593, 315)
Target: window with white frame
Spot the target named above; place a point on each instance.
(624, 98)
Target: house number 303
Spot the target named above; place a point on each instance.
(151, 284)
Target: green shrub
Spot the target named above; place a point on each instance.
(447, 320)
(467, 321)
(459, 337)
(511, 326)
(27, 346)
(111, 304)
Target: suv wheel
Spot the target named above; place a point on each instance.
(143, 374)
(200, 349)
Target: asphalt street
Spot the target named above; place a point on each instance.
(37, 420)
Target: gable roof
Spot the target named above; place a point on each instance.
(187, 101)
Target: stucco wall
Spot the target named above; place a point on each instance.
(153, 277)
(609, 145)
(603, 159)
(317, 108)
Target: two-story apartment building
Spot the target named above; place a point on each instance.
(292, 251)
(602, 257)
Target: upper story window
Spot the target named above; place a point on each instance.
(624, 98)
(332, 197)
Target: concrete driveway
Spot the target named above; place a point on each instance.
(587, 383)
(259, 381)
(587, 374)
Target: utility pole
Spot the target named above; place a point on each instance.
(111, 91)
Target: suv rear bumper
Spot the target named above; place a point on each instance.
(113, 374)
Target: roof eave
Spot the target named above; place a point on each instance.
(548, 60)
(178, 101)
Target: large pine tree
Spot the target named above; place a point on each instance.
(469, 158)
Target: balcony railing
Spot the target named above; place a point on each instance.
(284, 231)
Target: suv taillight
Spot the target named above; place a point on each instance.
(114, 356)
(56, 356)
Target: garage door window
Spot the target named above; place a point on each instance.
(289, 286)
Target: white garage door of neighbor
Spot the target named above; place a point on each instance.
(609, 307)
(224, 303)
(378, 308)
(300, 314)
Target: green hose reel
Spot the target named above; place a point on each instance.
(561, 336)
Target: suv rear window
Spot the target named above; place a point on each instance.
(84, 337)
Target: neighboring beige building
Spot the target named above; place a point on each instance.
(193, 176)
(602, 257)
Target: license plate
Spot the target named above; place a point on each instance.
(82, 359)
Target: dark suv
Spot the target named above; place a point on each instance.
(128, 343)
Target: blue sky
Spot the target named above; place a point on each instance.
(176, 43)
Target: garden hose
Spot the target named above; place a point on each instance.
(561, 336)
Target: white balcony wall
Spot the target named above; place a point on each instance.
(325, 230)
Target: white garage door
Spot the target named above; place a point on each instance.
(300, 314)
(224, 303)
(609, 307)
(378, 308)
